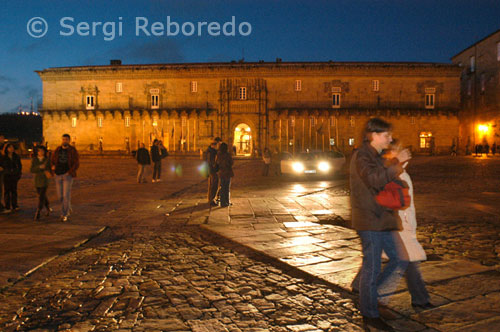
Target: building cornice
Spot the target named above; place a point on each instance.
(208, 70)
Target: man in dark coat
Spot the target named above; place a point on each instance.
(65, 162)
(143, 160)
(213, 179)
(156, 158)
(373, 222)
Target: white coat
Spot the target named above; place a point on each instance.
(409, 221)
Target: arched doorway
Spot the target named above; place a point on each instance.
(243, 140)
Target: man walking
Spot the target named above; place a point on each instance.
(213, 179)
(373, 222)
(65, 161)
(143, 160)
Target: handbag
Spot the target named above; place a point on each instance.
(395, 195)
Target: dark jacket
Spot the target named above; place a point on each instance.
(155, 153)
(142, 156)
(368, 176)
(211, 154)
(73, 159)
(41, 179)
(224, 161)
(12, 167)
(163, 152)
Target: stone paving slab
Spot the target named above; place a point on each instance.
(335, 257)
(26, 245)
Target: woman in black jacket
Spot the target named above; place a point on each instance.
(12, 173)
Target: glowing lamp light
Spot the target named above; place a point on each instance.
(324, 166)
(483, 128)
(298, 167)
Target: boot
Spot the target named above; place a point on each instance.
(49, 210)
(377, 323)
(37, 215)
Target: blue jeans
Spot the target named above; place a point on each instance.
(63, 188)
(416, 284)
(224, 191)
(372, 282)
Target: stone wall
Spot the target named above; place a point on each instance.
(480, 91)
(187, 120)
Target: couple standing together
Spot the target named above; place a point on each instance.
(220, 172)
(382, 229)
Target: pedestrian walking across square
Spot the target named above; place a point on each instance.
(373, 222)
(65, 162)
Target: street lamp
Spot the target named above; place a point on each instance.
(484, 129)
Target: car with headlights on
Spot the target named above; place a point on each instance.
(312, 163)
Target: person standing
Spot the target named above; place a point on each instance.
(2, 208)
(156, 158)
(266, 157)
(163, 152)
(40, 166)
(224, 162)
(494, 148)
(64, 163)
(213, 179)
(373, 222)
(12, 173)
(143, 160)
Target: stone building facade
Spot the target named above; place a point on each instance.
(284, 106)
(480, 91)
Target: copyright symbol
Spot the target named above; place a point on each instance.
(37, 27)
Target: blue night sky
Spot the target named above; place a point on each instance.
(293, 30)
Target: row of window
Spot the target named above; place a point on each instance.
(336, 99)
(298, 86)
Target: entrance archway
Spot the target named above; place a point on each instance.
(243, 140)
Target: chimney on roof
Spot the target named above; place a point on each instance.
(115, 62)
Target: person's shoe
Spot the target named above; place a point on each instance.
(425, 306)
(64, 218)
(6, 211)
(376, 322)
(37, 215)
(153, 180)
(49, 210)
(212, 203)
(16, 209)
(158, 180)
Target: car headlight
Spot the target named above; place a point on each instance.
(324, 166)
(298, 167)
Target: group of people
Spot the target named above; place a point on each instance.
(220, 171)
(144, 158)
(384, 230)
(485, 148)
(61, 165)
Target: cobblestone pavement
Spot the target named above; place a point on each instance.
(170, 282)
(150, 275)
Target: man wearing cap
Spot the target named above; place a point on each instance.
(213, 179)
